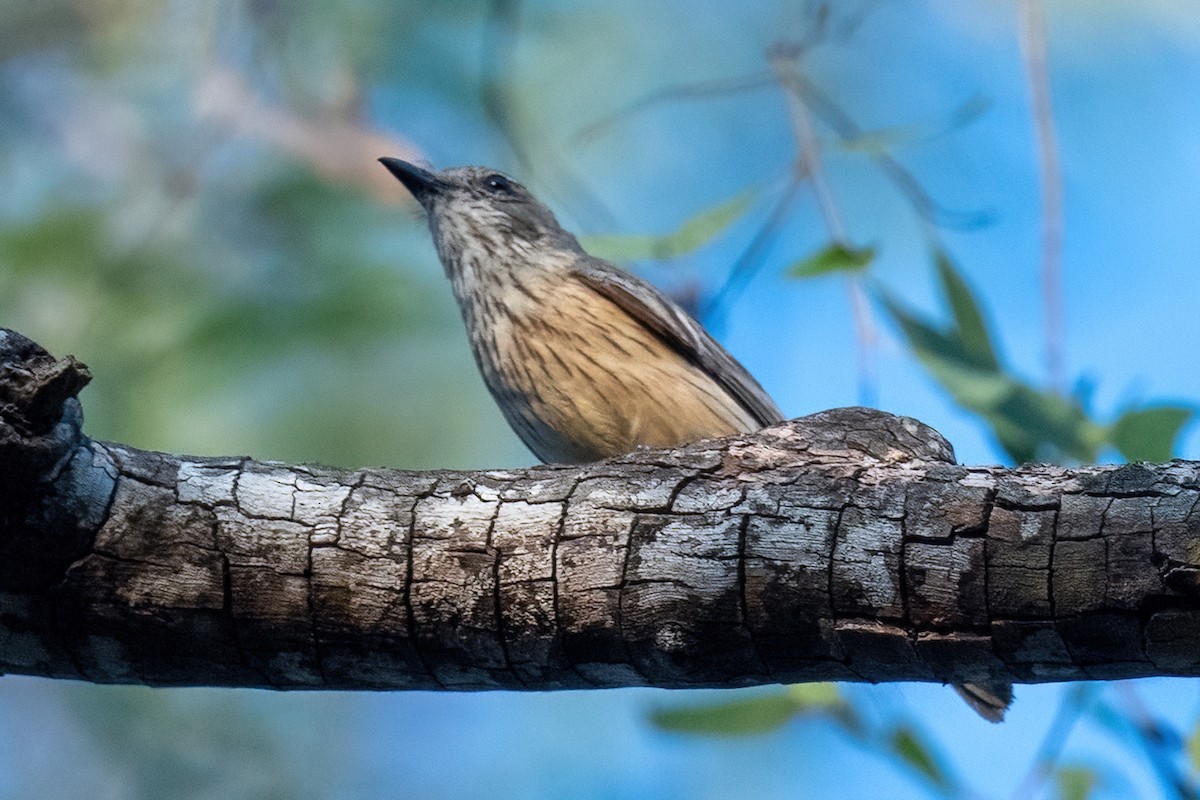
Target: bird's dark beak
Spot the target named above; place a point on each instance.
(422, 183)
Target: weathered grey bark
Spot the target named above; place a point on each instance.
(846, 546)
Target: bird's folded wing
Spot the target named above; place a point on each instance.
(675, 327)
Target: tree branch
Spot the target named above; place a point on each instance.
(842, 546)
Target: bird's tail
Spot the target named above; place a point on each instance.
(989, 698)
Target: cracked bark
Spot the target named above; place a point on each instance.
(846, 545)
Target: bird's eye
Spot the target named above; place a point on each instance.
(498, 184)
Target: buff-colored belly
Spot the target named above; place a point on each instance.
(584, 381)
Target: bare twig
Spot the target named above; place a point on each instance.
(747, 264)
(850, 25)
(687, 91)
(500, 37)
(823, 106)
(1158, 740)
(1033, 45)
(833, 115)
(809, 163)
(1070, 709)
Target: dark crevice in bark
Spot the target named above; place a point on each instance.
(497, 596)
(409, 614)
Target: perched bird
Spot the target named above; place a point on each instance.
(585, 360)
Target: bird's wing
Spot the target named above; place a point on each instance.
(673, 325)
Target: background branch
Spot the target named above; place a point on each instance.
(1037, 71)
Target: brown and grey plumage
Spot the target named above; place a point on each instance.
(585, 360)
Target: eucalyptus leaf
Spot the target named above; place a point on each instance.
(702, 228)
(694, 233)
(1193, 750)
(968, 319)
(815, 696)
(753, 715)
(835, 257)
(1149, 434)
(979, 390)
(923, 338)
(909, 748)
(1075, 783)
(881, 141)
(1028, 423)
(1055, 428)
(624, 248)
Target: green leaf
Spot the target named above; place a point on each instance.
(1075, 783)
(695, 232)
(1029, 424)
(979, 390)
(1057, 427)
(707, 225)
(835, 257)
(1193, 750)
(909, 748)
(880, 142)
(750, 716)
(624, 247)
(921, 336)
(1148, 434)
(815, 696)
(756, 715)
(968, 319)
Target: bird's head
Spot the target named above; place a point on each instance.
(480, 215)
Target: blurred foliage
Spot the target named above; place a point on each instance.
(910, 749)
(198, 745)
(836, 257)
(1193, 749)
(694, 233)
(1030, 424)
(761, 713)
(171, 331)
(765, 712)
(1075, 783)
(230, 298)
(885, 141)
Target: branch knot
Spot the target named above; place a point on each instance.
(854, 435)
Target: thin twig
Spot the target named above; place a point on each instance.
(501, 33)
(847, 129)
(687, 91)
(1070, 709)
(823, 106)
(1152, 735)
(850, 25)
(751, 258)
(1033, 45)
(809, 161)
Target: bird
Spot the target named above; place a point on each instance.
(585, 360)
